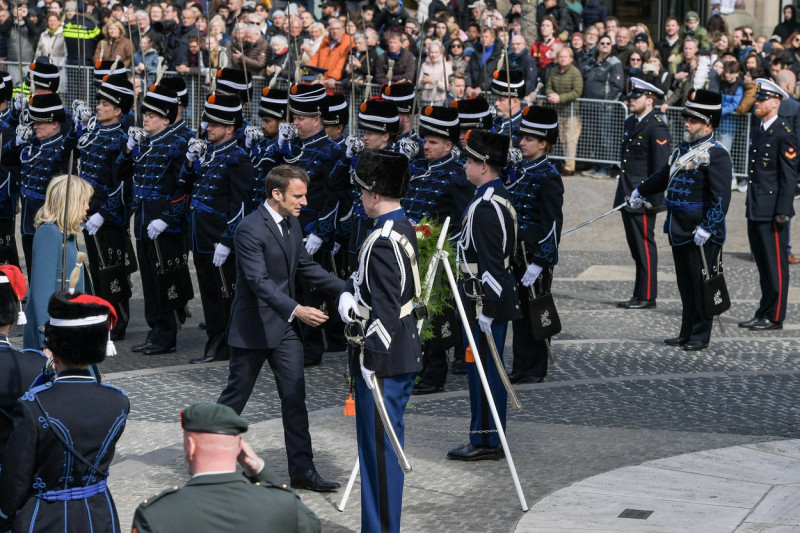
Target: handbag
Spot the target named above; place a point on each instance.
(545, 321)
(716, 299)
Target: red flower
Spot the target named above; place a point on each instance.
(423, 231)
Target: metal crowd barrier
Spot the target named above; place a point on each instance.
(589, 130)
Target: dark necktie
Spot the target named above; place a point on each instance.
(285, 230)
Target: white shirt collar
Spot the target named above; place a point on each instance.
(275, 216)
(768, 123)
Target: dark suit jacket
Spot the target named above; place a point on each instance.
(266, 270)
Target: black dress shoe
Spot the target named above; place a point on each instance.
(763, 324)
(204, 359)
(641, 304)
(675, 341)
(201, 325)
(747, 323)
(308, 362)
(476, 453)
(426, 389)
(529, 379)
(514, 377)
(693, 346)
(459, 368)
(624, 305)
(311, 480)
(158, 350)
(140, 347)
(120, 336)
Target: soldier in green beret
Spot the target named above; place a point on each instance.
(212, 446)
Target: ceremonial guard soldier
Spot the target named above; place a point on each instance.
(272, 110)
(178, 84)
(403, 95)
(537, 194)
(697, 181)
(19, 368)
(157, 154)
(488, 288)
(509, 94)
(106, 232)
(770, 194)
(474, 114)
(222, 176)
(9, 178)
(389, 357)
(231, 81)
(645, 149)
(41, 157)
(337, 117)
(439, 191)
(57, 461)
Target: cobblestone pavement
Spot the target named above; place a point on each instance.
(616, 395)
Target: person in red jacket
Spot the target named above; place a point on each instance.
(332, 53)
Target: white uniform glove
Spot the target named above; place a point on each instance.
(136, 136)
(701, 236)
(514, 157)
(347, 303)
(80, 113)
(94, 223)
(19, 101)
(485, 323)
(354, 145)
(24, 133)
(196, 150)
(221, 253)
(531, 274)
(367, 374)
(312, 244)
(252, 135)
(286, 132)
(636, 201)
(408, 147)
(155, 228)
(203, 126)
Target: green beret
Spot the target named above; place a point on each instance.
(208, 417)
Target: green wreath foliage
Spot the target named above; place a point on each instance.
(428, 231)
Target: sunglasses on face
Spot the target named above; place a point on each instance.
(456, 45)
(605, 43)
(635, 60)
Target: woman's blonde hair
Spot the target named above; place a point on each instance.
(118, 24)
(80, 192)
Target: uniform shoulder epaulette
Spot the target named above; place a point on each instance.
(150, 501)
(31, 393)
(658, 118)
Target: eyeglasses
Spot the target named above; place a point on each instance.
(456, 45)
(605, 43)
(635, 60)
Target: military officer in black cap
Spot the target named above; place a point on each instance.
(537, 194)
(157, 154)
(106, 230)
(390, 355)
(439, 191)
(509, 109)
(272, 110)
(697, 179)
(770, 194)
(42, 157)
(9, 178)
(256, 499)
(219, 175)
(488, 287)
(645, 149)
(178, 84)
(337, 117)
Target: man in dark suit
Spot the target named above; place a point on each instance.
(265, 316)
(645, 149)
(770, 193)
(213, 445)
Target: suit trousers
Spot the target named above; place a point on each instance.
(695, 326)
(163, 326)
(481, 416)
(530, 356)
(381, 476)
(768, 244)
(640, 233)
(286, 362)
(216, 309)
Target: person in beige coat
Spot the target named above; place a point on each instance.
(115, 44)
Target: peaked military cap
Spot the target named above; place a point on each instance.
(379, 114)
(641, 87)
(502, 86)
(272, 103)
(766, 89)
(489, 148)
(383, 172)
(440, 122)
(474, 113)
(337, 111)
(402, 94)
(117, 90)
(311, 74)
(178, 85)
(209, 417)
(704, 105)
(47, 108)
(308, 100)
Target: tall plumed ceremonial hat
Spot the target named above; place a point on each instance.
(402, 94)
(440, 122)
(308, 100)
(79, 327)
(502, 86)
(117, 90)
(47, 108)
(766, 89)
(704, 105)
(540, 122)
(474, 113)
(104, 68)
(337, 110)
(177, 84)
(379, 114)
(8, 91)
(272, 103)
(640, 87)
(44, 76)
(210, 417)
(383, 172)
(12, 276)
(489, 148)
(162, 101)
(233, 81)
(223, 109)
